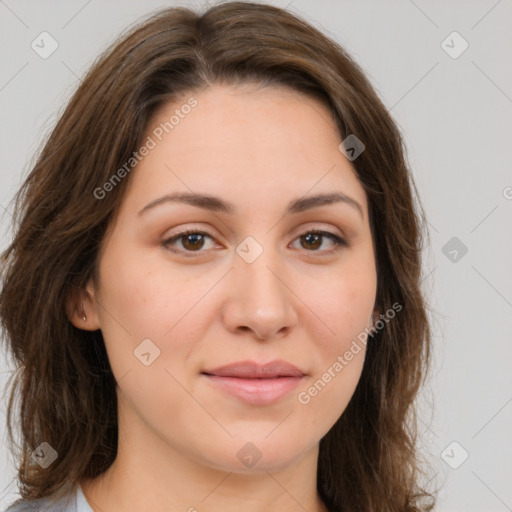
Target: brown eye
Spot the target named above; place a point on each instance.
(191, 241)
(313, 240)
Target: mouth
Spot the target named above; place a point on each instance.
(256, 384)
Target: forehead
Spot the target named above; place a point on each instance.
(272, 115)
(244, 138)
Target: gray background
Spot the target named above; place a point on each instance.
(455, 114)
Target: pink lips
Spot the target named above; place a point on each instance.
(256, 384)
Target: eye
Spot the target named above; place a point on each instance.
(192, 241)
(312, 240)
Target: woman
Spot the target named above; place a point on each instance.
(213, 295)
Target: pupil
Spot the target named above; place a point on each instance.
(193, 241)
(313, 237)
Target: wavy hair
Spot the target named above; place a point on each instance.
(369, 460)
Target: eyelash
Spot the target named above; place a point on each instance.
(339, 242)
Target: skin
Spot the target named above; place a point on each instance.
(302, 301)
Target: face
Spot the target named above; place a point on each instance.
(264, 275)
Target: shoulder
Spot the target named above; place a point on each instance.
(67, 504)
(28, 506)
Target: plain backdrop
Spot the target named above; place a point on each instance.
(451, 95)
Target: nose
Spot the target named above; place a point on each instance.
(259, 298)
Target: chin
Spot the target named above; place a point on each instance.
(261, 455)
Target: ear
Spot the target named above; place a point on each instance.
(81, 308)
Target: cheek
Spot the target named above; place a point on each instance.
(146, 316)
(140, 301)
(345, 308)
(345, 304)
(142, 294)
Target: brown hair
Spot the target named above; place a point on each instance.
(368, 461)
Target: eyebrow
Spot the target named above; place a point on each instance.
(216, 204)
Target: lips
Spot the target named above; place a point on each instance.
(250, 370)
(256, 384)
